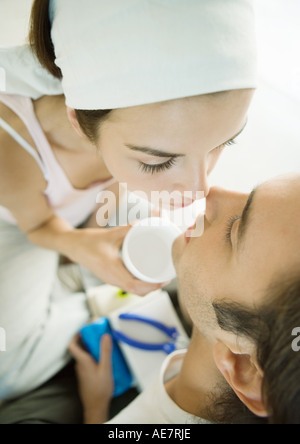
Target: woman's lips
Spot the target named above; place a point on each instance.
(182, 204)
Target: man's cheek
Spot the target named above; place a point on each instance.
(178, 254)
(186, 289)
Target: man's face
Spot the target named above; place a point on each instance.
(247, 243)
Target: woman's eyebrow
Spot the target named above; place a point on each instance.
(153, 152)
(159, 153)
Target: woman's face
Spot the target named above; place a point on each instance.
(172, 146)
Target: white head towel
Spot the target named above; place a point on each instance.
(22, 74)
(121, 53)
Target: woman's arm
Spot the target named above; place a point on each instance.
(22, 188)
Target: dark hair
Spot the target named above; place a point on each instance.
(270, 328)
(42, 46)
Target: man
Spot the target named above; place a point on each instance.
(240, 283)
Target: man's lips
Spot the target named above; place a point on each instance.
(188, 233)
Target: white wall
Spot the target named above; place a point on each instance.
(14, 18)
(270, 144)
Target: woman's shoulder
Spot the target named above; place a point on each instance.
(16, 123)
(16, 165)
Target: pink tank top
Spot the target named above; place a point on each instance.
(71, 204)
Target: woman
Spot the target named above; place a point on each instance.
(152, 94)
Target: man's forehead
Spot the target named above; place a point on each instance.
(285, 187)
(277, 204)
(272, 240)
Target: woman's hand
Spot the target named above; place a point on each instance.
(98, 250)
(95, 381)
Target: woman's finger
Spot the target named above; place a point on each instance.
(132, 285)
(119, 234)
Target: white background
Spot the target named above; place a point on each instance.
(270, 144)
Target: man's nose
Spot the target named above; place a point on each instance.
(223, 203)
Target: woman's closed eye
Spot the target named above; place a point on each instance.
(159, 168)
(229, 143)
(152, 169)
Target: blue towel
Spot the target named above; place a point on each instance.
(91, 336)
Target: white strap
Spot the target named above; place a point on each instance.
(25, 145)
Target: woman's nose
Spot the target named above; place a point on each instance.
(197, 186)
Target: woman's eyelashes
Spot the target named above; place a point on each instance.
(231, 142)
(152, 169)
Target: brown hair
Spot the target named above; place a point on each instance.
(42, 46)
(270, 328)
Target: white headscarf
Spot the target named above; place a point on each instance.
(23, 75)
(121, 53)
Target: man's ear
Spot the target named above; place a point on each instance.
(244, 377)
(74, 122)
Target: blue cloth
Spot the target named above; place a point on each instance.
(91, 336)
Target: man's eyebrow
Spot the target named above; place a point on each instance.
(246, 217)
(160, 153)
